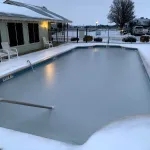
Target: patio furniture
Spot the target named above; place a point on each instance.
(3, 55)
(47, 43)
(9, 50)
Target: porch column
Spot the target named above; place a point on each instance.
(67, 32)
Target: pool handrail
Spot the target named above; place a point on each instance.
(28, 61)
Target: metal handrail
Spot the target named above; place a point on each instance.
(30, 64)
(25, 104)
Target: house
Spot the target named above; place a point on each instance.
(140, 23)
(24, 25)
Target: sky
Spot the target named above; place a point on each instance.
(87, 12)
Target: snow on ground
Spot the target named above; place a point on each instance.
(13, 140)
(130, 134)
(126, 134)
(144, 52)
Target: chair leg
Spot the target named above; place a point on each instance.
(8, 57)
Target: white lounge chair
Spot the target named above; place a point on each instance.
(9, 50)
(3, 55)
(47, 43)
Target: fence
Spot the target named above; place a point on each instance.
(77, 35)
(59, 35)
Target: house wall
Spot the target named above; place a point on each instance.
(27, 47)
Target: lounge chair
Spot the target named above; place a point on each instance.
(47, 43)
(3, 55)
(9, 50)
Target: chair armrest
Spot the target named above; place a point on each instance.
(5, 51)
(14, 49)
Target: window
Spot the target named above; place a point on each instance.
(15, 31)
(33, 29)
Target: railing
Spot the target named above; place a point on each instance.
(25, 104)
(28, 61)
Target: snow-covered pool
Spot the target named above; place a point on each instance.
(89, 88)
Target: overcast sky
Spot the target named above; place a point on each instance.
(87, 11)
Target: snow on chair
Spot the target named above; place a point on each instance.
(2, 55)
(9, 50)
(47, 43)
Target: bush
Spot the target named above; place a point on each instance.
(144, 38)
(88, 38)
(98, 39)
(74, 39)
(129, 39)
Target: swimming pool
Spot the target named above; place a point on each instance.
(89, 87)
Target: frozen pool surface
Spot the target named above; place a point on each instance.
(88, 87)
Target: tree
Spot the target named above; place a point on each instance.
(121, 12)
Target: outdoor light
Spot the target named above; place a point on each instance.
(44, 24)
(96, 22)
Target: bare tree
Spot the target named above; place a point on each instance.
(121, 12)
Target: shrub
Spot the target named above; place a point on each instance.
(88, 38)
(98, 39)
(144, 38)
(129, 39)
(74, 39)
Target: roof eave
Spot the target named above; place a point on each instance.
(15, 3)
(27, 19)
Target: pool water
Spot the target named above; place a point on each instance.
(88, 87)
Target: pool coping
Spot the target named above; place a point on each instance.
(60, 50)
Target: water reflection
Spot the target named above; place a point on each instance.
(95, 50)
(50, 73)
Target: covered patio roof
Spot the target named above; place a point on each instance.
(40, 10)
(11, 12)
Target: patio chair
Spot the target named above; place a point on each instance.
(9, 50)
(3, 55)
(47, 43)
